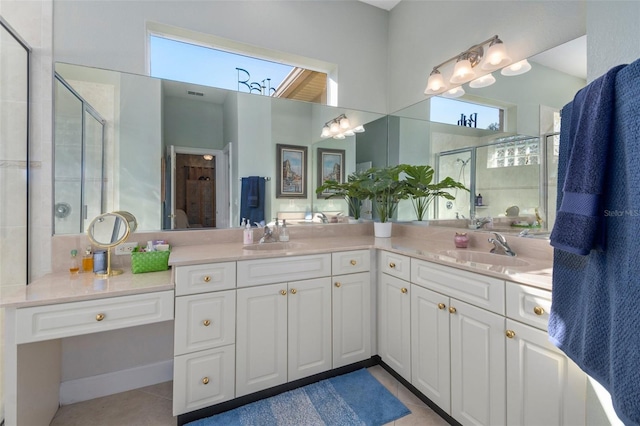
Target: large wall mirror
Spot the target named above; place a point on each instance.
(174, 153)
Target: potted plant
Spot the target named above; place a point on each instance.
(386, 189)
(351, 191)
(422, 192)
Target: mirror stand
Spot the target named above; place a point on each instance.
(108, 231)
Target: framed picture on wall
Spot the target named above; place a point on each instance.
(291, 171)
(330, 167)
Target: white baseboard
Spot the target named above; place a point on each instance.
(119, 381)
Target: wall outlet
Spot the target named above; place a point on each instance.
(125, 248)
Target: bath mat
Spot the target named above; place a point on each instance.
(351, 399)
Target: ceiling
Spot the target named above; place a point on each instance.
(570, 58)
(382, 4)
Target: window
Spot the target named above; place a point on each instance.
(193, 63)
(462, 113)
(514, 151)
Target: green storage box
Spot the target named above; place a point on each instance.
(150, 261)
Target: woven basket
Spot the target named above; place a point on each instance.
(150, 261)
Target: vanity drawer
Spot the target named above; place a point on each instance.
(283, 269)
(479, 290)
(350, 262)
(205, 321)
(395, 264)
(75, 318)
(529, 305)
(203, 378)
(194, 279)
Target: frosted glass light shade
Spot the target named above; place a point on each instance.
(325, 132)
(358, 129)
(462, 72)
(496, 57)
(339, 136)
(484, 81)
(435, 84)
(516, 69)
(456, 92)
(344, 123)
(334, 128)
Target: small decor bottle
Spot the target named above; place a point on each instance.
(74, 266)
(461, 240)
(87, 260)
(247, 234)
(284, 232)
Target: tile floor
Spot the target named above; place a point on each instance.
(151, 406)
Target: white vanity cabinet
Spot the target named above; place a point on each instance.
(351, 307)
(204, 336)
(458, 349)
(394, 313)
(544, 387)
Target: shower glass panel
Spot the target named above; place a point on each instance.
(458, 165)
(550, 187)
(79, 154)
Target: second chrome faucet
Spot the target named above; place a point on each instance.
(500, 245)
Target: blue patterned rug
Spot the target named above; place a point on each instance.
(351, 399)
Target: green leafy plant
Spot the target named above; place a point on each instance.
(385, 187)
(422, 192)
(351, 191)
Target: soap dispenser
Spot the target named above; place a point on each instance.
(284, 232)
(247, 233)
(74, 265)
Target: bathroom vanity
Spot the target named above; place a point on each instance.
(465, 329)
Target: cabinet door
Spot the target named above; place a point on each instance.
(477, 365)
(430, 355)
(351, 296)
(544, 387)
(394, 319)
(309, 304)
(261, 338)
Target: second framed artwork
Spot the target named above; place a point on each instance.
(291, 179)
(330, 167)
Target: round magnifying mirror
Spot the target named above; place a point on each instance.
(109, 230)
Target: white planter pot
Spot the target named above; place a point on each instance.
(382, 230)
(352, 220)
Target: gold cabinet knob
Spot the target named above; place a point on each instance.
(452, 310)
(337, 284)
(206, 323)
(353, 263)
(294, 291)
(283, 292)
(207, 278)
(538, 310)
(100, 317)
(441, 306)
(510, 334)
(392, 265)
(403, 290)
(205, 381)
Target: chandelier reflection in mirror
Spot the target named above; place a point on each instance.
(339, 128)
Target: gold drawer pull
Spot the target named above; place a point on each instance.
(441, 306)
(452, 310)
(353, 263)
(100, 317)
(337, 284)
(510, 334)
(283, 292)
(392, 265)
(403, 290)
(206, 323)
(538, 310)
(207, 278)
(205, 381)
(294, 291)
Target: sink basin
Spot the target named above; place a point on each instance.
(485, 258)
(275, 246)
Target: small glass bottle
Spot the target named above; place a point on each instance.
(74, 266)
(284, 232)
(87, 260)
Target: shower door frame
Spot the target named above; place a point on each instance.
(472, 177)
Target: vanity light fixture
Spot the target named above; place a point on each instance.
(465, 63)
(484, 81)
(517, 68)
(339, 128)
(208, 157)
(456, 92)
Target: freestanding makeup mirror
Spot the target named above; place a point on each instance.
(110, 230)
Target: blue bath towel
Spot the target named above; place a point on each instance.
(595, 315)
(252, 197)
(586, 128)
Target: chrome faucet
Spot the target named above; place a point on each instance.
(268, 236)
(500, 245)
(321, 216)
(479, 222)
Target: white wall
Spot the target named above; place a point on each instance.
(423, 34)
(349, 34)
(191, 123)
